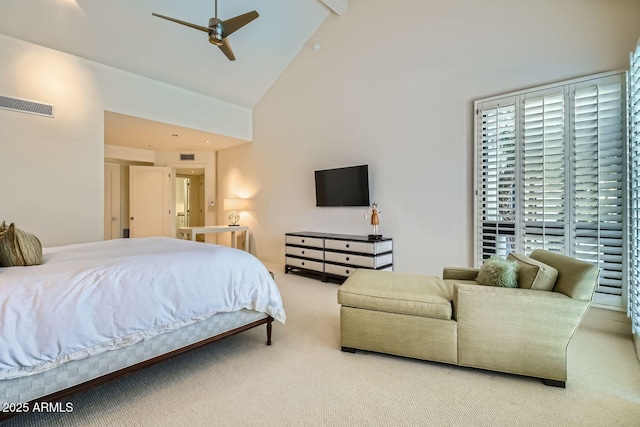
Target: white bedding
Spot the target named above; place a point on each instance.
(89, 298)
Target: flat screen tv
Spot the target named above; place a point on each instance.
(343, 186)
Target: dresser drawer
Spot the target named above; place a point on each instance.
(305, 252)
(362, 247)
(342, 258)
(359, 260)
(304, 263)
(339, 270)
(304, 241)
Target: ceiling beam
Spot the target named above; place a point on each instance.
(340, 7)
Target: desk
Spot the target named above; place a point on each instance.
(194, 231)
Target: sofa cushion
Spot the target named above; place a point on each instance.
(394, 292)
(533, 274)
(576, 279)
(498, 272)
(19, 248)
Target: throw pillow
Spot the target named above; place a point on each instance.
(19, 248)
(533, 274)
(498, 272)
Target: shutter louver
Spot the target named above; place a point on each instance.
(633, 308)
(497, 182)
(543, 173)
(598, 182)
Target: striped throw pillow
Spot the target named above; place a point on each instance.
(18, 248)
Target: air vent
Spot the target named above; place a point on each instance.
(24, 106)
(187, 156)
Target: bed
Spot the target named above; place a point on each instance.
(93, 312)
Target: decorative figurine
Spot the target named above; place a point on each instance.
(375, 221)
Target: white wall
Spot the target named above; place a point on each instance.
(60, 161)
(393, 86)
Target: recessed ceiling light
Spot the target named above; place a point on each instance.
(207, 141)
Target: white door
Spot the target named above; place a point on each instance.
(150, 201)
(112, 219)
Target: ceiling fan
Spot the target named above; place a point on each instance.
(219, 30)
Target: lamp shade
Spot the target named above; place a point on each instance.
(235, 204)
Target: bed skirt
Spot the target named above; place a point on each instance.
(28, 388)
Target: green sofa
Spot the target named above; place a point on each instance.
(454, 319)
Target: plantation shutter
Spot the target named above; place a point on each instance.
(551, 174)
(543, 141)
(497, 178)
(634, 173)
(598, 175)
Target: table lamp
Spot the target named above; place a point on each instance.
(234, 205)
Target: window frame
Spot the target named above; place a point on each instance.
(633, 163)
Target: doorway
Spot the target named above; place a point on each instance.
(190, 198)
(182, 201)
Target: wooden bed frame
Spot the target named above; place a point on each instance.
(68, 392)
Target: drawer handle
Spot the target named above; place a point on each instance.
(302, 252)
(347, 271)
(302, 262)
(347, 258)
(347, 245)
(302, 240)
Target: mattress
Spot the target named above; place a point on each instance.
(27, 388)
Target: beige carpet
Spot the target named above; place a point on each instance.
(303, 379)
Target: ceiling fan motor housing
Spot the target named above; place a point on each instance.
(216, 32)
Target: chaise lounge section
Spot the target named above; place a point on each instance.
(456, 320)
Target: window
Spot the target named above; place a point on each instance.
(551, 175)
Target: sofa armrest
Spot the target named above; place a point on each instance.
(519, 331)
(460, 273)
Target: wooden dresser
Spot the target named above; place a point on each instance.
(329, 256)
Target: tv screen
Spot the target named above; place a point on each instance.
(343, 186)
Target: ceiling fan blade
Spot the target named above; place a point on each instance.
(231, 25)
(225, 47)
(188, 24)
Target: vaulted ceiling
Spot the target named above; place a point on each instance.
(123, 34)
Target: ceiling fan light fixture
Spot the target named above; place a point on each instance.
(215, 40)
